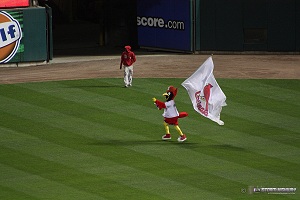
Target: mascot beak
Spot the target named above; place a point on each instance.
(168, 96)
(170, 93)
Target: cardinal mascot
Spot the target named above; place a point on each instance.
(171, 113)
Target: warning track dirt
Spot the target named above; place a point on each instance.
(155, 66)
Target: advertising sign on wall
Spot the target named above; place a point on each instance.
(25, 35)
(10, 36)
(165, 24)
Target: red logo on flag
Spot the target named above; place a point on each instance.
(203, 99)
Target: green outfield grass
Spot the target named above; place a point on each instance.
(94, 139)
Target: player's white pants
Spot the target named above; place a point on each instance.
(128, 72)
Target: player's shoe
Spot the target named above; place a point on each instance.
(166, 137)
(182, 138)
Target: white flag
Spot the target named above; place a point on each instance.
(205, 93)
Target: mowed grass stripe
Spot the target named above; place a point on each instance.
(281, 140)
(31, 112)
(284, 152)
(94, 187)
(212, 160)
(132, 139)
(80, 103)
(263, 130)
(8, 193)
(246, 126)
(253, 151)
(279, 143)
(39, 187)
(90, 164)
(92, 100)
(263, 116)
(86, 98)
(186, 171)
(125, 107)
(59, 172)
(259, 102)
(117, 150)
(213, 165)
(64, 115)
(282, 92)
(40, 118)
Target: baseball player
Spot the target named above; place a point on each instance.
(127, 60)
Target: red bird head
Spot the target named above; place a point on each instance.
(170, 93)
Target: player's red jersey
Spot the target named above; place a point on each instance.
(128, 57)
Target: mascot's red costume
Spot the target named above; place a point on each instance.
(171, 113)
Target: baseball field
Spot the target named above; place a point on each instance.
(72, 131)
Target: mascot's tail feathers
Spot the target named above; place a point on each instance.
(182, 114)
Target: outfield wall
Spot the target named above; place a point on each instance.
(220, 25)
(249, 25)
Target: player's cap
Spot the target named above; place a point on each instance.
(128, 47)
